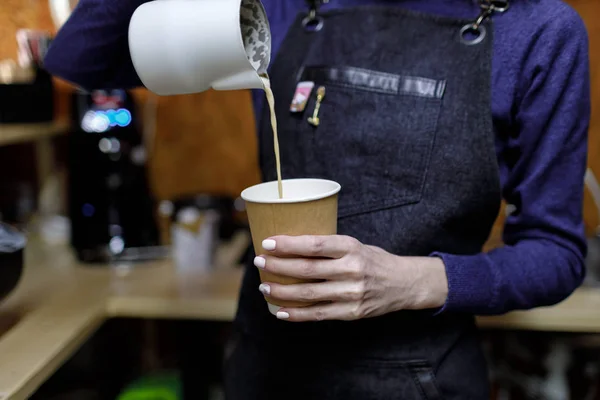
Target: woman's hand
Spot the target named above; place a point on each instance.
(358, 281)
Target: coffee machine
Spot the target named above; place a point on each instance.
(110, 205)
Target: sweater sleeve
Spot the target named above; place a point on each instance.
(92, 50)
(542, 261)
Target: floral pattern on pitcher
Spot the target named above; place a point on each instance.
(256, 34)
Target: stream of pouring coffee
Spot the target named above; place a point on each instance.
(271, 100)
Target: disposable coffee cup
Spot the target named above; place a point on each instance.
(308, 207)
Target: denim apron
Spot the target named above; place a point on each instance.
(406, 129)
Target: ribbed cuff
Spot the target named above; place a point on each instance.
(470, 284)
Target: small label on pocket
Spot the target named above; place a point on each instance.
(301, 96)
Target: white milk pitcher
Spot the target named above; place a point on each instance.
(189, 46)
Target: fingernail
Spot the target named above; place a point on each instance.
(260, 262)
(282, 315)
(269, 244)
(265, 289)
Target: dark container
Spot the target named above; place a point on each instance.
(12, 245)
(23, 103)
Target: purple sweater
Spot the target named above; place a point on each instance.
(541, 110)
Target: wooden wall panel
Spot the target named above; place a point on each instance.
(590, 12)
(203, 143)
(33, 14)
(16, 14)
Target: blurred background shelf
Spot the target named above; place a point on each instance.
(20, 133)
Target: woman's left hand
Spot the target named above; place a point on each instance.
(358, 281)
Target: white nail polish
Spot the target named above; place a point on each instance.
(283, 315)
(260, 262)
(269, 244)
(265, 289)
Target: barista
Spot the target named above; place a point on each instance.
(435, 111)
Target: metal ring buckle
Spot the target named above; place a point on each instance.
(479, 30)
(500, 6)
(488, 8)
(313, 23)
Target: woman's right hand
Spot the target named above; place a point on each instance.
(91, 50)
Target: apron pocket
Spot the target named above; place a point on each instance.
(424, 377)
(231, 347)
(389, 380)
(375, 137)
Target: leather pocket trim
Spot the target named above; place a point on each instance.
(375, 81)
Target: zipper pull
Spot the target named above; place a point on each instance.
(315, 120)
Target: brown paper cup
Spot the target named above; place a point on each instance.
(308, 207)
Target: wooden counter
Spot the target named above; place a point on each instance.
(20, 133)
(60, 304)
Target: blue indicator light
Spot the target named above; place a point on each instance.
(120, 117)
(88, 210)
(123, 117)
(102, 121)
